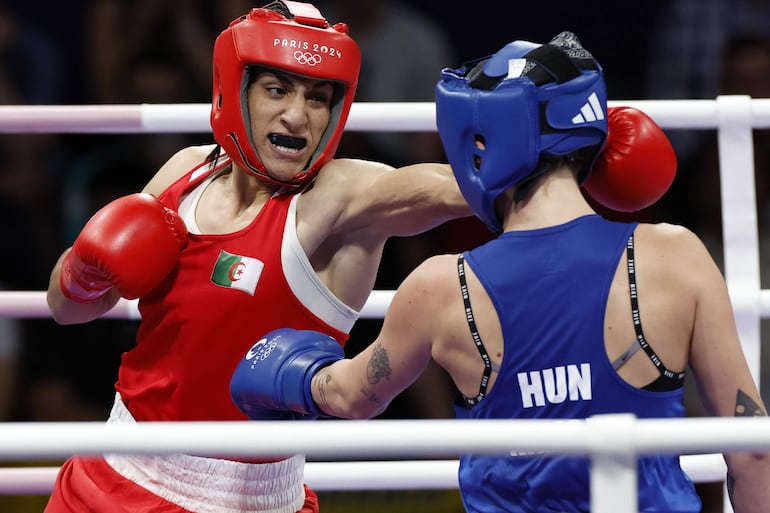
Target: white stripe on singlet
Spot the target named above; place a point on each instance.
(306, 284)
(210, 485)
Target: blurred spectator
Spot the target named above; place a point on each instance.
(29, 74)
(30, 71)
(31, 64)
(118, 31)
(112, 165)
(10, 340)
(695, 198)
(402, 53)
(687, 45)
(140, 52)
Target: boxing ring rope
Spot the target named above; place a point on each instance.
(733, 117)
(356, 475)
(31, 304)
(364, 116)
(613, 442)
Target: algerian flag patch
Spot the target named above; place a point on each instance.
(237, 272)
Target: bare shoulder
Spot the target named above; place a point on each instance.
(383, 201)
(180, 163)
(360, 175)
(365, 203)
(674, 250)
(340, 186)
(667, 238)
(428, 308)
(430, 285)
(348, 174)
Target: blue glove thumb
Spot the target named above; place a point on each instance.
(274, 376)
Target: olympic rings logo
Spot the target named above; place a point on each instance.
(261, 350)
(311, 59)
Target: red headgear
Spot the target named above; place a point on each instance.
(304, 45)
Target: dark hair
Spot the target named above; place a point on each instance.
(214, 155)
(279, 7)
(253, 72)
(578, 161)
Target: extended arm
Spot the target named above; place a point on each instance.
(725, 382)
(413, 199)
(305, 372)
(378, 201)
(362, 387)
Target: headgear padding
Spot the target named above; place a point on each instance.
(303, 45)
(525, 101)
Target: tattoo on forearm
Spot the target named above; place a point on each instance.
(371, 397)
(378, 366)
(745, 406)
(322, 379)
(377, 369)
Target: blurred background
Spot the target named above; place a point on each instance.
(150, 51)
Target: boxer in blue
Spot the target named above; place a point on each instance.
(565, 315)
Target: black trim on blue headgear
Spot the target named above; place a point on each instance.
(525, 101)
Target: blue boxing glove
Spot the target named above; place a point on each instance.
(273, 379)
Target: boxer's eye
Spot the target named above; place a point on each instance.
(480, 144)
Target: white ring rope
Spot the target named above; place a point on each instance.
(368, 116)
(364, 116)
(613, 442)
(356, 475)
(32, 305)
(331, 440)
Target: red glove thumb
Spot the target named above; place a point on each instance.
(637, 165)
(131, 244)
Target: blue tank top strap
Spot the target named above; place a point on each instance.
(488, 365)
(667, 380)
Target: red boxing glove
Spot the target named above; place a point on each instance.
(131, 244)
(636, 166)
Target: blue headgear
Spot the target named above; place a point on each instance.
(525, 101)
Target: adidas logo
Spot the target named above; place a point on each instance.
(590, 111)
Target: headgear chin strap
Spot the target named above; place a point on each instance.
(304, 45)
(525, 101)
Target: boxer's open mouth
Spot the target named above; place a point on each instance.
(284, 142)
